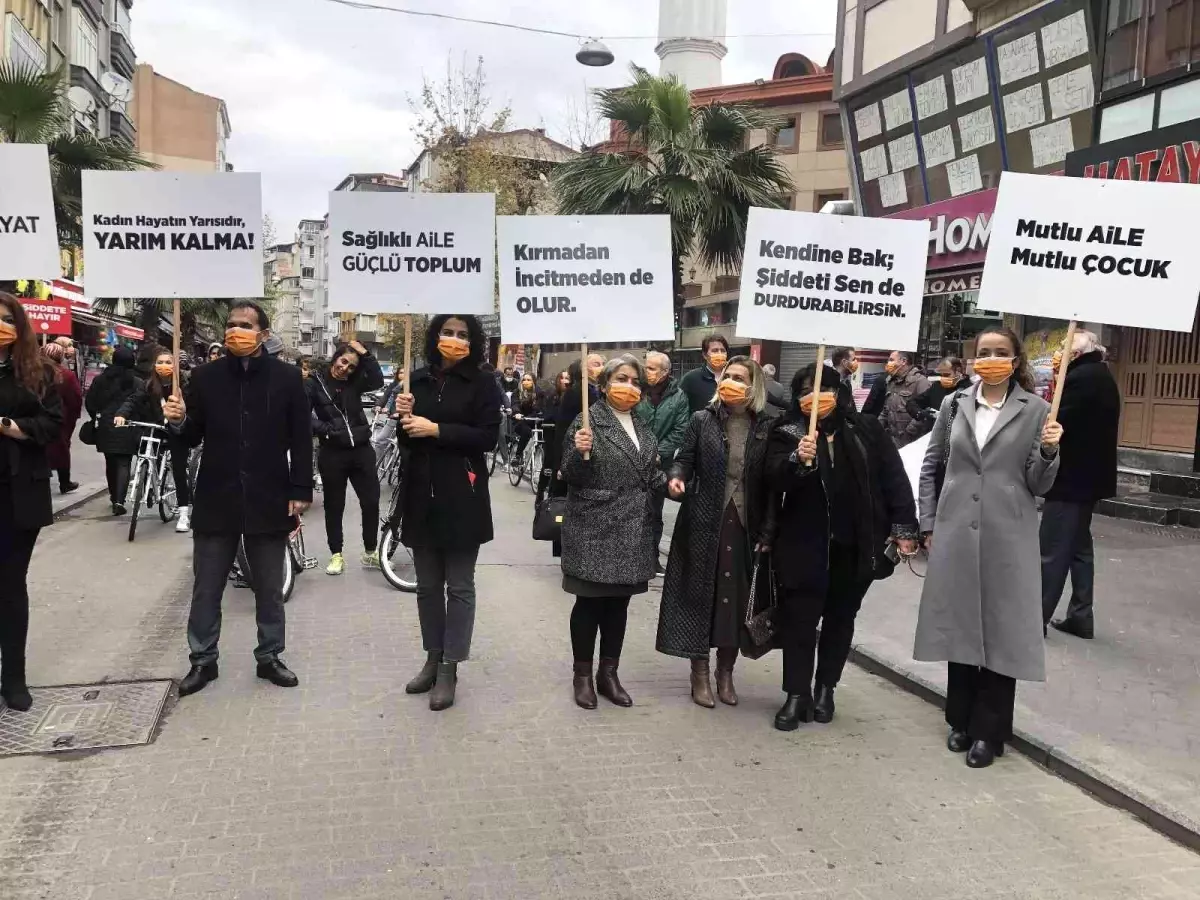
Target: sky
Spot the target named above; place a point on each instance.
(317, 90)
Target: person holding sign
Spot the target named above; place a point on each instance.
(449, 421)
(846, 498)
(728, 516)
(346, 455)
(30, 420)
(981, 608)
(612, 474)
(701, 384)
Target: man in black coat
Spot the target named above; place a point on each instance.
(1090, 415)
(251, 413)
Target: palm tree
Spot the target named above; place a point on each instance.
(692, 164)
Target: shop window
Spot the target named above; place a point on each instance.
(831, 131)
(785, 137)
(828, 197)
(1179, 104)
(1124, 119)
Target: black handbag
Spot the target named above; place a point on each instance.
(761, 626)
(547, 521)
(87, 433)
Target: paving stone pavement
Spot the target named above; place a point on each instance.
(347, 788)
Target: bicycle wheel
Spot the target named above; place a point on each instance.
(168, 497)
(193, 468)
(396, 560)
(137, 492)
(289, 574)
(536, 460)
(516, 466)
(394, 469)
(385, 463)
(493, 457)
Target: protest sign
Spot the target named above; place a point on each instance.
(1117, 252)
(172, 234)
(28, 231)
(51, 316)
(832, 280)
(412, 253)
(584, 279)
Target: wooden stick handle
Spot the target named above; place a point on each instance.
(813, 416)
(407, 352)
(1060, 378)
(175, 347)
(583, 356)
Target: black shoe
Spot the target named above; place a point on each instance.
(277, 673)
(425, 679)
(659, 571)
(119, 509)
(442, 695)
(1072, 627)
(197, 677)
(983, 753)
(16, 697)
(823, 708)
(796, 708)
(69, 488)
(958, 741)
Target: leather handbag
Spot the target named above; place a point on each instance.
(547, 521)
(762, 626)
(87, 433)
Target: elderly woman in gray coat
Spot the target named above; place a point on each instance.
(980, 607)
(612, 475)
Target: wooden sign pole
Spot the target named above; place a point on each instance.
(583, 357)
(814, 416)
(1060, 378)
(175, 348)
(407, 352)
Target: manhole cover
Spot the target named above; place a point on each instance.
(84, 717)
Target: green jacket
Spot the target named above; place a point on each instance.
(668, 420)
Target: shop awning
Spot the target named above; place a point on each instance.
(66, 289)
(128, 331)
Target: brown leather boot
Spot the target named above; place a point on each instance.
(702, 694)
(725, 690)
(609, 685)
(585, 689)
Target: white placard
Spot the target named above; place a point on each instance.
(855, 281)
(586, 278)
(1071, 92)
(970, 81)
(893, 191)
(1094, 250)
(28, 230)
(939, 146)
(903, 152)
(931, 97)
(1024, 109)
(913, 457)
(1017, 59)
(397, 252)
(1065, 39)
(1051, 143)
(873, 162)
(172, 234)
(963, 175)
(866, 122)
(897, 110)
(976, 129)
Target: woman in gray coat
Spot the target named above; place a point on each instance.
(980, 607)
(608, 548)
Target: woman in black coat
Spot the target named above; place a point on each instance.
(726, 517)
(105, 397)
(30, 419)
(923, 408)
(608, 552)
(448, 424)
(346, 454)
(846, 497)
(553, 428)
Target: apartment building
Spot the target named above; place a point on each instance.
(290, 269)
(178, 128)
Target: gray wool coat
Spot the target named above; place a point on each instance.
(608, 527)
(981, 604)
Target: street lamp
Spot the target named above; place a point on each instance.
(595, 54)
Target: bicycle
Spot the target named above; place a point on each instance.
(296, 560)
(152, 481)
(531, 461)
(505, 444)
(395, 560)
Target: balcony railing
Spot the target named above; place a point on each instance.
(120, 127)
(93, 8)
(124, 60)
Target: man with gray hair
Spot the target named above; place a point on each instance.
(775, 393)
(665, 410)
(1090, 415)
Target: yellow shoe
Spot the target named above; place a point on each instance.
(371, 560)
(336, 566)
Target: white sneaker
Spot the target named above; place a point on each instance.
(183, 522)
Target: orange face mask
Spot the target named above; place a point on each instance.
(948, 381)
(623, 396)
(453, 349)
(852, 366)
(164, 369)
(241, 342)
(732, 392)
(892, 368)
(1056, 360)
(826, 404)
(994, 369)
(8, 334)
(717, 360)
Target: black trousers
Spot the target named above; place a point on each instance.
(116, 471)
(1066, 538)
(606, 615)
(64, 476)
(179, 469)
(16, 549)
(524, 434)
(835, 612)
(657, 502)
(980, 702)
(355, 465)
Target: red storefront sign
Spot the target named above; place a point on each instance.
(1168, 154)
(70, 291)
(958, 229)
(51, 316)
(128, 331)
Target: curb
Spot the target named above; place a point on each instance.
(79, 501)
(1168, 822)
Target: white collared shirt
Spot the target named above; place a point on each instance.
(985, 417)
(626, 420)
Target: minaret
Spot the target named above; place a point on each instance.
(691, 35)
